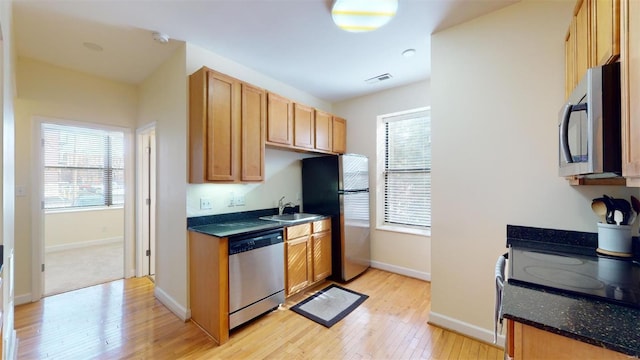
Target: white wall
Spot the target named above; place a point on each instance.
(45, 90)
(163, 100)
(398, 252)
(66, 229)
(497, 87)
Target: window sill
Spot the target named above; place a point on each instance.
(83, 209)
(405, 230)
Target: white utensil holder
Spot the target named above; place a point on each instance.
(614, 239)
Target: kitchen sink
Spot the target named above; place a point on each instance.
(292, 218)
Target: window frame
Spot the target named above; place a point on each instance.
(380, 172)
(39, 146)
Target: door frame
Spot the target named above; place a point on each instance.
(145, 189)
(37, 199)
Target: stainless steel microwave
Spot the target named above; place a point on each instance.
(589, 126)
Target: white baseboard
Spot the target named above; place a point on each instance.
(22, 299)
(464, 328)
(166, 300)
(82, 244)
(401, 270)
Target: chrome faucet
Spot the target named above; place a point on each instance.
(282, 206)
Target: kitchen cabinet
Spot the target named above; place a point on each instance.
(297, 258)
(605, 30)
(253, 119)
(630, 73)
(279, 120)
(303, 126)
(323, 131)
(307, 255)
(321, 249)
(339, 134)
(209, 284)
(527, 342)
(226, 129)
(593, 38)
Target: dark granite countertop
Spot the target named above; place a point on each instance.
(233, 224)
(601, 323)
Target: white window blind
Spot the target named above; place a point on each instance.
(82, 167)
(407, 169)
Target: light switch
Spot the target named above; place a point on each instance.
(21, 190)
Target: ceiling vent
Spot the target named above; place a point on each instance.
(377, 79)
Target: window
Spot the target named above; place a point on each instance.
(83, 167)
(405, 167)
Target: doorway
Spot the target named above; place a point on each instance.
(146, 199)
(83, 180)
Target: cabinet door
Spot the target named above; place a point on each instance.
(321, 255)
(303, 126)
(221, 129)
(339, 135)
(582, 39)
(324, 135)
(253, 124)
(570, 59)
(605, 36)
(279, 121)
(298, 274)
(630, 67)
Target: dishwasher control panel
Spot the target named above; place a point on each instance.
(254, 241)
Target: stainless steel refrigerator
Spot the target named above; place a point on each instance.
(338, 185)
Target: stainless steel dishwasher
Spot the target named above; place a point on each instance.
(256, 275)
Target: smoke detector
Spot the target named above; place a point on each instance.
(160, 37)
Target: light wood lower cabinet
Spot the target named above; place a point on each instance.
(307, 255)
(527, 342)
(209, 284)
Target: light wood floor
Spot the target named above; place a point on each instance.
(123, 320)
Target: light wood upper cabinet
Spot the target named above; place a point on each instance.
(323, 131)
(630, 73)
(570, 59)
(254, 111)
(339, 130)
(213, 126)
(279, 119)
(226, 129)
(605, 30)
(582, 39)
(303, 126)
(593, 39)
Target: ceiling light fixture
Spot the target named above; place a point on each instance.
(160, 37)
(363, 15)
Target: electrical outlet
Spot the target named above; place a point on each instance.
(231, 199)
(239, 200)
(206, 204)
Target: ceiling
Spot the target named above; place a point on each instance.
(292, 41)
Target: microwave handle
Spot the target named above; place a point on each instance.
(564, 133)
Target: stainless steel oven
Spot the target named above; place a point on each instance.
(256, 275)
